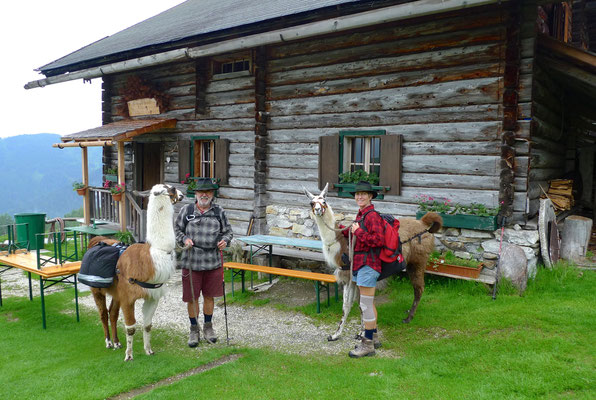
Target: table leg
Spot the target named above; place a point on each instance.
(43, 304)
(318, 300)
(270, 261)
(76, 296)
(30, 287)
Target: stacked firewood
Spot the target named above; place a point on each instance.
(560, 193)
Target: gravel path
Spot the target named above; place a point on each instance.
(250, 326)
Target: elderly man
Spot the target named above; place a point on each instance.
(205, 228)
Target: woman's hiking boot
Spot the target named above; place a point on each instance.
(209, 333)
(193, 337)
(376, 341)
(363, 349)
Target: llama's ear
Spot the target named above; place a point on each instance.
(309, 194)
(324, 192)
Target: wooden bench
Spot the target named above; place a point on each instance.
(321, 280)
(49, 275)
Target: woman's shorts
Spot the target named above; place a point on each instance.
(210, 283)
(366, 277)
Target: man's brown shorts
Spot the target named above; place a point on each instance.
(207, 282)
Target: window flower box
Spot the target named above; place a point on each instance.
(111, 178)
(344, 190)
(466, 221)
(441, 266)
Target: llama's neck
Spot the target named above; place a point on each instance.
(160, 224)
(325, 222)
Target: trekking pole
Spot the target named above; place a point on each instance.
(499, 259)
(223, 282)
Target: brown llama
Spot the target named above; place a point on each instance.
(415, 252)
(141, 270)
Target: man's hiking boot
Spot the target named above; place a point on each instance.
(209, 333)
(193, 337)
(363, 349)
(376, 342)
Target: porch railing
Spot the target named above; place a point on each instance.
(103, 207)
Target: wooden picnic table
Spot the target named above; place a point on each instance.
(49, 275)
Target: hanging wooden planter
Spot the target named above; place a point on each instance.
(466, 221)
(82, 191)
(117, 196)
(441, 266)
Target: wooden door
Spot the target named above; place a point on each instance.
(149, 166)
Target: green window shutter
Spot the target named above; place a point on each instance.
(328, 161)
(391, 163)
(222, 155)
(183, 159)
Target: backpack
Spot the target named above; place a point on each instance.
(98, 266)
(392, 260)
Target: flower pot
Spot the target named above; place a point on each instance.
(459, 270)
(466, 221)
(82, 191)
(344, 190)
(117, 196)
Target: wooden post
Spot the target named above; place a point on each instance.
(575, 237)
(85, 160)
(121, 179)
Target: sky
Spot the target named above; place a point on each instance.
(35, 33)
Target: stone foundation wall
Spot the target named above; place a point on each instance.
(464, 243)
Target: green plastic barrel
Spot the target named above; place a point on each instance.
(36, 224)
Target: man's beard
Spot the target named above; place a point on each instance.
(204, 201)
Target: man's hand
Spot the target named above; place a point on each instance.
(221, 244)
(355, 226)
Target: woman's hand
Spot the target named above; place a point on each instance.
(355, 226)
(188, 242)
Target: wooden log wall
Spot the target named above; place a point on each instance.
(227, 111)
(436, 81)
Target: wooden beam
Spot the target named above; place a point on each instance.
(167, 124)
(86, 209)
(84, 144)
(567, 51)
(121, 179)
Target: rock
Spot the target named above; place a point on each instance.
(275, 231)
(489, 256)
(271, 210)
(521, 237)
(490, 264)
(513, 266)
(302, 230)
(455, 246)
(451, 232)
(463, 254)
(280, 222)
(476, 234)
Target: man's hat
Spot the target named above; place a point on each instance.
(363, 186)
(206, 184)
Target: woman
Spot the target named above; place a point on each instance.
(367, 233)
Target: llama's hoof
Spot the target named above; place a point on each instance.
(109, 344)
(406, 320)
(331, 338)
(117, 345)
(128, 358)
(149, 352)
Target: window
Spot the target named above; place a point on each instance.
(203, 157)
(372, 151)
(206, 156)
(361, 150)
(230, 66)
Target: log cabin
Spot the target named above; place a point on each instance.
(472, 101)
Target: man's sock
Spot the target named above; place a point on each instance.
(193, 321)
(208, 318)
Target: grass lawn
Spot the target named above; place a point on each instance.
(461, 344)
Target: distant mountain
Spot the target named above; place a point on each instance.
(37, 177)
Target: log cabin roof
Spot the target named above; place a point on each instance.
(123, 130)
(196, 21)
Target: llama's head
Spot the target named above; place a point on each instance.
(318, 204)
(174, 194)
